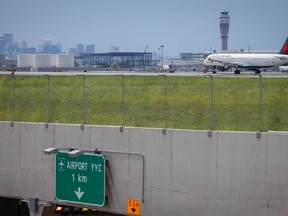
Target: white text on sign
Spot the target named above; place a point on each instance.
(74, 165)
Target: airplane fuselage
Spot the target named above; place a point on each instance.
(251, 61)
(246, 60)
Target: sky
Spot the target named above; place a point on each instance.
(179, 25)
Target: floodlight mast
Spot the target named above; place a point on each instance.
(72, 152)
(50, 151)
(76, 153)
(53, 150)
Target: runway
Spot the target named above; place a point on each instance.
(277, 74)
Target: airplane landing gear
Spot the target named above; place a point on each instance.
(214, 70)
(237, 71)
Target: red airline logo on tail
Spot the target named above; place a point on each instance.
(285, 48)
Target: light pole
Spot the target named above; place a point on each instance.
(162, 56)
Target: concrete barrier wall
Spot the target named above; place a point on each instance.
(186, 172)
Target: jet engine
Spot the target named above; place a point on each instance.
(222, 68)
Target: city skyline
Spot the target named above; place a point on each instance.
(11, 47)
(131, 25)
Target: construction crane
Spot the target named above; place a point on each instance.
(146, 49)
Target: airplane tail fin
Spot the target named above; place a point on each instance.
(284, 49)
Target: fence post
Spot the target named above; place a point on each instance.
(260, 109)
(123, 105)
(14, 101)
(211, 107)
(166, 106)
(84, 100)
(48, 101)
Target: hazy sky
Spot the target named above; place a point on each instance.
(180, 25)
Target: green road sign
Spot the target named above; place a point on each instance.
(80, 179)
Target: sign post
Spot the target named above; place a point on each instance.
(80, 179)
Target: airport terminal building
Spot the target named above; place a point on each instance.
(128, 59)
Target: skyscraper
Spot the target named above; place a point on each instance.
(47, 42)
(79, 49)
(49, 48)
(2, 44)
(90, 48)
(23, 45)
(224, 21)
(8, 38)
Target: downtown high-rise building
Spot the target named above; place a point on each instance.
(8, 38)
(90, 48)
(6, 42)
(49, 48)
(79, 49)
(2, 44)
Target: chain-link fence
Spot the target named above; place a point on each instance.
(162, 101)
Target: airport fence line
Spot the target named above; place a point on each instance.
(163, 101)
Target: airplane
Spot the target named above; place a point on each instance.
(283, 68)
(250, 61)
(169, 68)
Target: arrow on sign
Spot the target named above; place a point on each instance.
(79, 193)
(133, 209)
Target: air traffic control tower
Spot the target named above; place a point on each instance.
(224, 20)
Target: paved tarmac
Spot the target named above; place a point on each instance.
(146, 73)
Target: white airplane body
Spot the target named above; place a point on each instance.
(283, 68)
(169, 68)
(247, 60)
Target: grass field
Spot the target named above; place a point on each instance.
(201, 103)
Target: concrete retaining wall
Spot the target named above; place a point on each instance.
(186, 172)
